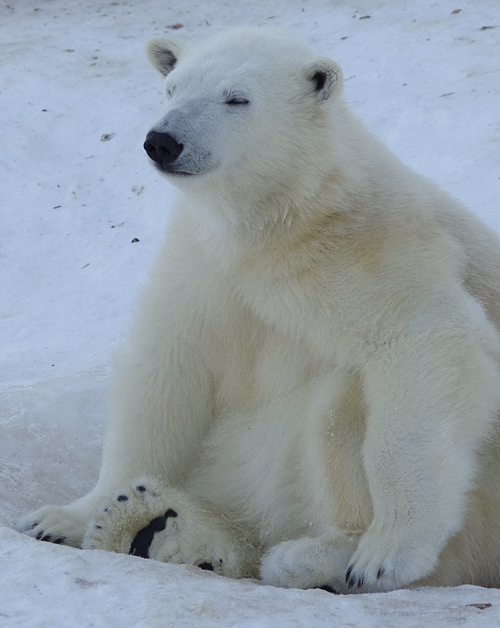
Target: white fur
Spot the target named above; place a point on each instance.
(316, 354)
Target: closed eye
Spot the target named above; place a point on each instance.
(237, 101)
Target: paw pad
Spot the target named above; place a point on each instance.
(143, 539)
(206, 566)
(122, 498)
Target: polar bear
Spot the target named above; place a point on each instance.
(311, 389)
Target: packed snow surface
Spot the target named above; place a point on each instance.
(82, 216)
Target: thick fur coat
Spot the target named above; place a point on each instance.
(311, 388)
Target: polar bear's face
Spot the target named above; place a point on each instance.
(249, 101)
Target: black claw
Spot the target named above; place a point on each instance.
(39, 535)
(348, 574)
(206, 566)
(361, 582)
(381, 572)
(352, 582)
(59, 540)
(141, 489)
(122, 498)
(328, 589)
(32, 527)
(46, 537)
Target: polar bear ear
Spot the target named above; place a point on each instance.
(163, 53)
(326, 78)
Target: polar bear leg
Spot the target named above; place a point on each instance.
(151, 521)
(310, 563)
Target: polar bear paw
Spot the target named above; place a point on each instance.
(55, 524)
(382, 564)
(152, 521)
(127, 515)
(310, 563)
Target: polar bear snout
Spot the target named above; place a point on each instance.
(162, 148)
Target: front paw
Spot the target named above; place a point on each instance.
(309, 563)
(382, 562)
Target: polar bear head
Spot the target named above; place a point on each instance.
(248, 107)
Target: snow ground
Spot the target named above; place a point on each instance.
(77, 98)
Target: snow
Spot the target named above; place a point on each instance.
(47, 585)
(77, 98)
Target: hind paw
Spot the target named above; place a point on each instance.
(127, 522)
(152, 521)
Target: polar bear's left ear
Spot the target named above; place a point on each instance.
(326, 78)
(163, 53)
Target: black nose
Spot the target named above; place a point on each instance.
(162, 148)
